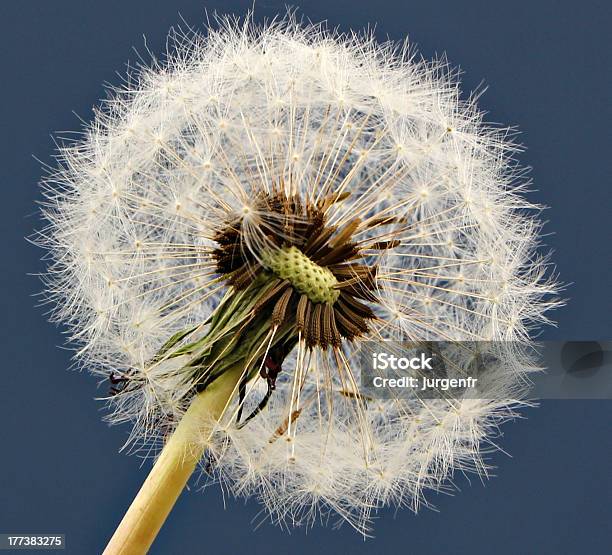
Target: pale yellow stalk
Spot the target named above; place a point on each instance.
(170, 473)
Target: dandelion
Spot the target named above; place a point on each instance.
(240, 219)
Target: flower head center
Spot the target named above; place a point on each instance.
(316, 282)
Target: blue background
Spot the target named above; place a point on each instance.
(548, 66)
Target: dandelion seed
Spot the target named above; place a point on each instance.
(243, 216)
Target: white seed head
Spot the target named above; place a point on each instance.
(134, 209)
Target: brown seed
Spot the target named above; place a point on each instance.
(280, 308)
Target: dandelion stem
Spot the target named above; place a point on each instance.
(177, 461)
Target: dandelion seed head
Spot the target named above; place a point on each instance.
(353, 174)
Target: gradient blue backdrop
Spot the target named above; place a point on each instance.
(548, 66)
